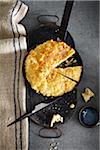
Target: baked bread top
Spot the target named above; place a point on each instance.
(42, 72)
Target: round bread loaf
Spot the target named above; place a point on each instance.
(43, 73)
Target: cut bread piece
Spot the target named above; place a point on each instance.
(56, 85)
(71, 72)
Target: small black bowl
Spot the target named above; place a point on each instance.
(88, 116)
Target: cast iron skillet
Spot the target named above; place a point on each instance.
(46, 31)
(40, 35)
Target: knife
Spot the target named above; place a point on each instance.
(37, 108)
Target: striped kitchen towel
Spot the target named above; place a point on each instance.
(12, 89)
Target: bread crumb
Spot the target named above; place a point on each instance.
(87, 94)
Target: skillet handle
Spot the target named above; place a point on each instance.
(65, 19)
(50, 132)
(44, 19)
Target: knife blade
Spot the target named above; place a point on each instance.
(38, 107)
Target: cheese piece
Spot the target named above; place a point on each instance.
(56, 118)
(87, 94)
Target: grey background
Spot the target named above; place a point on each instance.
(84, 27)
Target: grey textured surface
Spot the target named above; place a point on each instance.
(84, 27)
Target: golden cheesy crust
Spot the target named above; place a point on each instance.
(41, 71)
